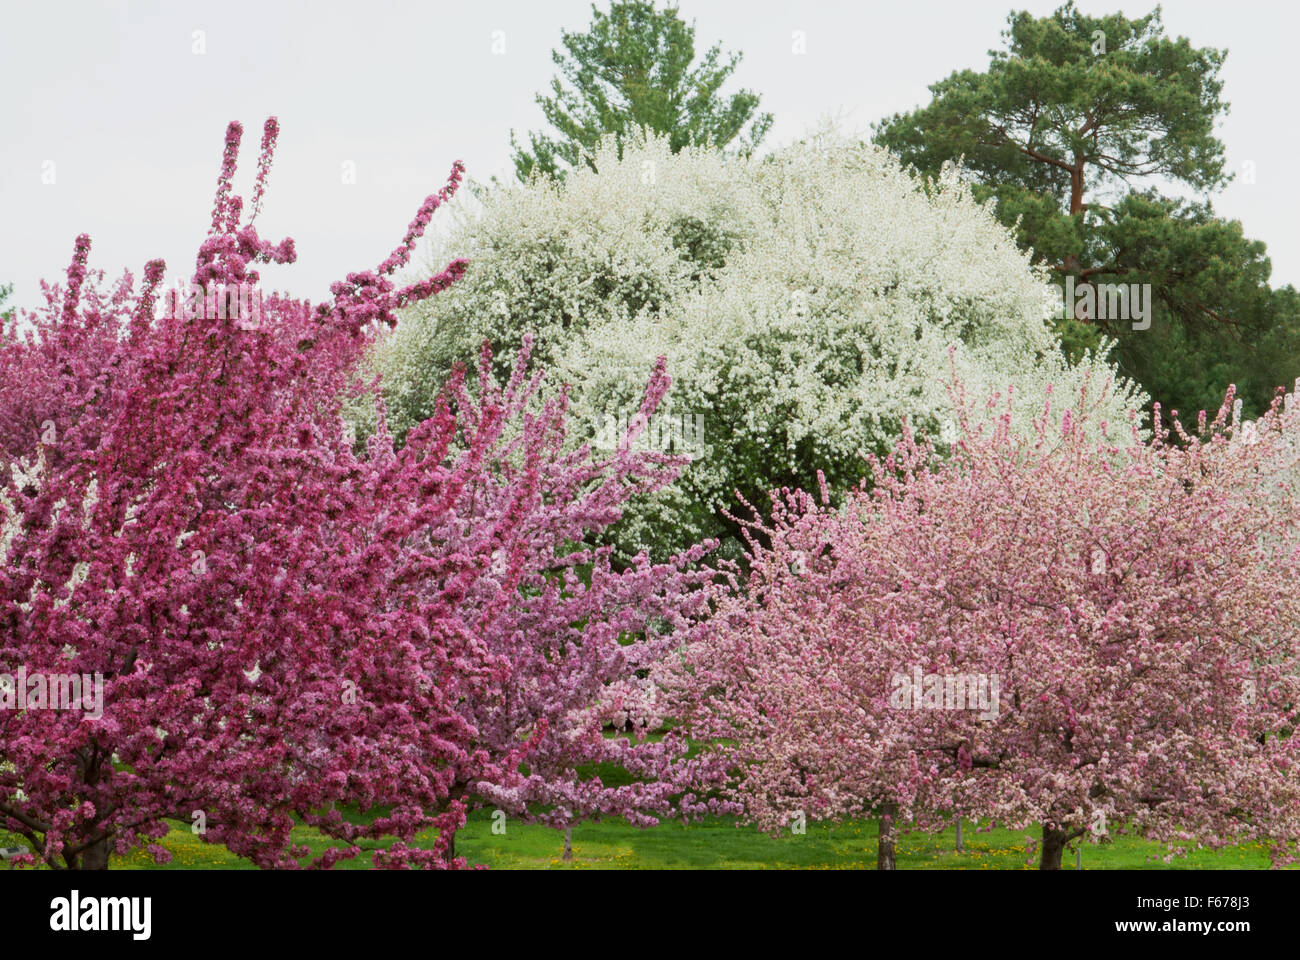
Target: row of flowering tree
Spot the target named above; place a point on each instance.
(285, 627)
(1087, 637)
(1071, 626)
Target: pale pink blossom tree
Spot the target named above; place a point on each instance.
(1128, 598)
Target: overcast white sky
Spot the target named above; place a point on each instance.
(132, 119)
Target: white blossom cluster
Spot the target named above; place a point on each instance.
(22, 473)
(1277, 471)
(807, 303)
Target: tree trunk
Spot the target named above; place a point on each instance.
(961, 846)
(1076, 187)
(568, 843)
(1053, 846)
(886, 858)
(95, 856)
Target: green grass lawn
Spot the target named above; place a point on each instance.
(719, 844)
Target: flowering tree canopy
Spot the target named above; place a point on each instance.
(577, 634)
(804, 302)
(283, 625)
(1116, 616)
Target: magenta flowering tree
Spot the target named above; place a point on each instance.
(579, 635)
(1122, 613)
(284, 626)
(183, 519)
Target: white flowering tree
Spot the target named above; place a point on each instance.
(1278, 467)
(807, 303)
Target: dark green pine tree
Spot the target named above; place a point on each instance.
(636, 66)
(1072, 130)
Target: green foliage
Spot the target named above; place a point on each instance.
(1065, 132)
(634, 68)
(6, 331)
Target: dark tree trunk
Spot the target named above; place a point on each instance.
(886, 857)
(95, 856)
(1076, 187)
(568, 843)
(1054, 841)
(961, 846)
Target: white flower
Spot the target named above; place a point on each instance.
(807, 303)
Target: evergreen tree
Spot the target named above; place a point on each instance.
(636, 67)
(1069, 131)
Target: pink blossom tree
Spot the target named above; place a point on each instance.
(285, 627)
(1128, 606)
(579, 634)
(789, 682)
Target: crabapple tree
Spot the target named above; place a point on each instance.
(1124, 609)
